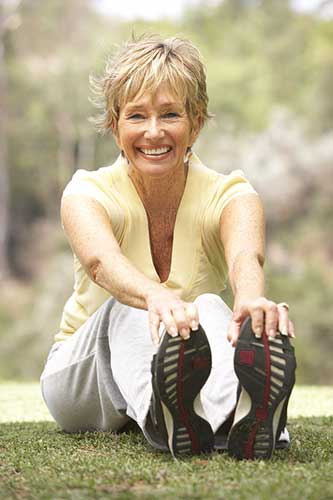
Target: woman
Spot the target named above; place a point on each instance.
(145, 334)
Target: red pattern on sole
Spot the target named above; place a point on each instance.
(183, 413)
(200, 363)
(262, 412)
(247, 357)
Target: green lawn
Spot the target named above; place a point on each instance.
(37, 461)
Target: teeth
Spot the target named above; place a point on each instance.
(155, 151)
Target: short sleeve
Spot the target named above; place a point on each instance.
(93, 184)
(226, 188)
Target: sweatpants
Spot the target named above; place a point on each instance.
(101, 375)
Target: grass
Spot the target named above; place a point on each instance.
(37, 461)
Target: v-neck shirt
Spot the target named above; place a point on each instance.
(197, 262)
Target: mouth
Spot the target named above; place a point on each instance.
(155, 152)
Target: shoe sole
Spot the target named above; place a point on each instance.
(182, 368)
(266, 370)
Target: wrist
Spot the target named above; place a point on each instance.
(150, 292)
(242, 299)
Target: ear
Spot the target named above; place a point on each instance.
(197, 126)
(114, 129)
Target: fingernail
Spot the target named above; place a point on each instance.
(185, 333)
(257, 333)
(272, 333)
(173, 331)
(292, 335)
(194, 325)
(284, 332)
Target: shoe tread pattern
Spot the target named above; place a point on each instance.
(182, 368)
(268, 382)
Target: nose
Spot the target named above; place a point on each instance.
(154, 130)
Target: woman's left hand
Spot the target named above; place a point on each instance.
(266, 316)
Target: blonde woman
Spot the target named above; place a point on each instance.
(145, 334)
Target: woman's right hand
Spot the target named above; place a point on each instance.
(179, 317)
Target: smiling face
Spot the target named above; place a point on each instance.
(154, 132)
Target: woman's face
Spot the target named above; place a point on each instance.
(154, 132)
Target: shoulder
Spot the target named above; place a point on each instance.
(218, 184)
(102, 177)
(99, 185)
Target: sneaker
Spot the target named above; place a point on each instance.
(179, 371)
(265, 368)
(221, 440)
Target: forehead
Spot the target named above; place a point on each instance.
(163, 95)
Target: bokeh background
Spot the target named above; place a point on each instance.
(270, 80)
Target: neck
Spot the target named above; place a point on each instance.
(160, 193)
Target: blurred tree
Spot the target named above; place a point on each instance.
(4, 181)
(8, 22)
(49, 133)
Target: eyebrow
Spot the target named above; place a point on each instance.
(135, 107)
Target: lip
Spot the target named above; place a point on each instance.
(154, 157)
(154, 146)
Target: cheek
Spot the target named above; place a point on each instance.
(117, 140)
(125, 138)
(182, 135)
(187, 138)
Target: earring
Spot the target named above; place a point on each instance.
(123, 155)
(187, 154)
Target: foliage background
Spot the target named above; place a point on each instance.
(270, 74)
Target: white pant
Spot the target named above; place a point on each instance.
(102, 374)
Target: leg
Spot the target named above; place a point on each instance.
(77, 382)
(219, 394)
(103, 372)
(132, 350)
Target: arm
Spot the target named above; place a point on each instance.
(89, 231)
(242, 231)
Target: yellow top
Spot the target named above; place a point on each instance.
(198, 264)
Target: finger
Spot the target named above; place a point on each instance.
(233, 332)
(185, 333)
(291, 329)
(179, 316)
(154, 326)
(235, 325)
(257, 317)
(192, 316)
(283, 324)
(169, 323)
(271, 318)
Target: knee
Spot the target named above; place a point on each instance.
(213, 312)
(211, 299)
(67, 415)
(76, 411)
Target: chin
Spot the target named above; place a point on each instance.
(154, 170)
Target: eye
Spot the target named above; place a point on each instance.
(136, 116)
(171, 114)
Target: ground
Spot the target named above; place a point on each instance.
(38, 461)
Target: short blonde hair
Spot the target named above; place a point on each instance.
(140, 66)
